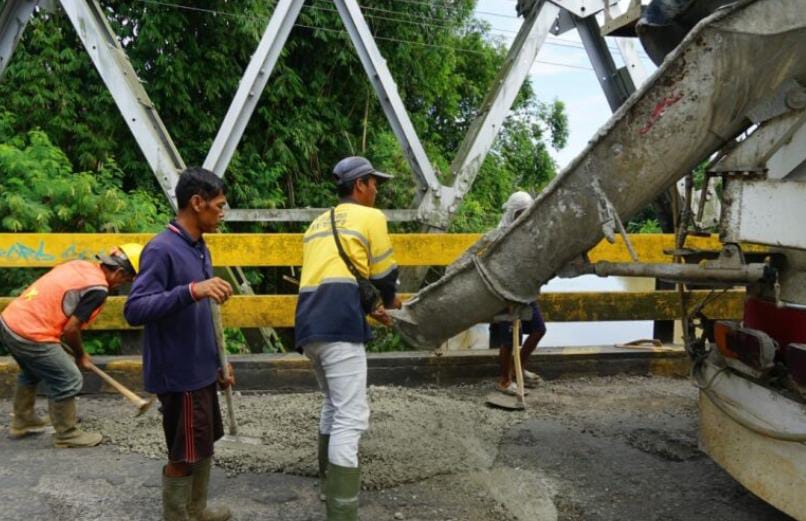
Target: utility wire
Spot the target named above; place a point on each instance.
(342, 32)
(429, 23)
(557, 42)
(445, 6)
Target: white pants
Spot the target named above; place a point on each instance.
(341, 370)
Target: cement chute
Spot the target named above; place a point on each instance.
(695, 103)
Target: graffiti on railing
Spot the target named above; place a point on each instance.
(72, 252)
(21, 252)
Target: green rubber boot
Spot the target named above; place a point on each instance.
(25, 420)
(343, 484)
(63, 415)
(175, 497)
(324, 442)
(198, 510)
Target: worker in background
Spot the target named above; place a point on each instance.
(171, 298)
(501, 332)
(331, 328)
(51, 313)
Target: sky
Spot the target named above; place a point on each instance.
(574, 83)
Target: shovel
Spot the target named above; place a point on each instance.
(504, 401)
(232, 437)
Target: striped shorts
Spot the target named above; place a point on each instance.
(192, 423)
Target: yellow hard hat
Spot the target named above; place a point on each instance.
(132, 250)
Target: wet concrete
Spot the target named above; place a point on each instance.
(587, 449)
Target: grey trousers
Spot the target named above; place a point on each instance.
(42, 362)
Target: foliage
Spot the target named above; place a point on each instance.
(520, 160)
(101, 343)
(40, 192)
(70, 163)
(317, 108)
(648, 225)
(385, 340)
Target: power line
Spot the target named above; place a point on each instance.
(449, 8)
(342, 32)
(558, 43)
(429, 23)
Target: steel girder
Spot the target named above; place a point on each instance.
(13, 18)
(436, 202)
(252, 84)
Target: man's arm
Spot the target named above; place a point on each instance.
(150, 299)
(71, 336)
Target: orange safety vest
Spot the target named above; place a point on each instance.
(41, 312)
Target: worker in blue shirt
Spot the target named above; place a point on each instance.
(171, 298)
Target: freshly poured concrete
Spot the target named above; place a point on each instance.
(586, 449)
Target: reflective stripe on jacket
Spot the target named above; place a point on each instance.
(329, 308)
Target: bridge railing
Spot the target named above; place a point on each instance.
(31, 250)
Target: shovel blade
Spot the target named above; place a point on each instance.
(504, 401)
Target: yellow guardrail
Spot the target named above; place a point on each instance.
(278, 310)
(35, 250)
(29, 250)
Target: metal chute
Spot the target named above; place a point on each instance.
(695, 103)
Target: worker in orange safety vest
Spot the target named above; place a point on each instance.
(51, 313)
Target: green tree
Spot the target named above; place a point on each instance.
(41, 192)
(317, 107)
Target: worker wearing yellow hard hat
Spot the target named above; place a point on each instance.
(48, 315)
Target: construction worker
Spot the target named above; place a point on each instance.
(171, 298)
(331, 328)
(501, 332)
(50, 312)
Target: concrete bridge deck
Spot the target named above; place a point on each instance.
(594, 449)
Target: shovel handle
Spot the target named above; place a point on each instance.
(215, 311)
(516, 357)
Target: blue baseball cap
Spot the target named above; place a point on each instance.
(355, 167)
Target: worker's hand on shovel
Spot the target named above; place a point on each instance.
(84, 363)
(225, 380)
(381, 316)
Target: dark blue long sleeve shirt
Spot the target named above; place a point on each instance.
(179, 348)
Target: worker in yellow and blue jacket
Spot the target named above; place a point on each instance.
(331, 326)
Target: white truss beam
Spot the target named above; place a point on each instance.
(495, 108)
(303, 215)
(386, 90)
(14, 17)
(132, 101)
(252, 84)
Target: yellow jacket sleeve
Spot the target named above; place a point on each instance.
(383, 270)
